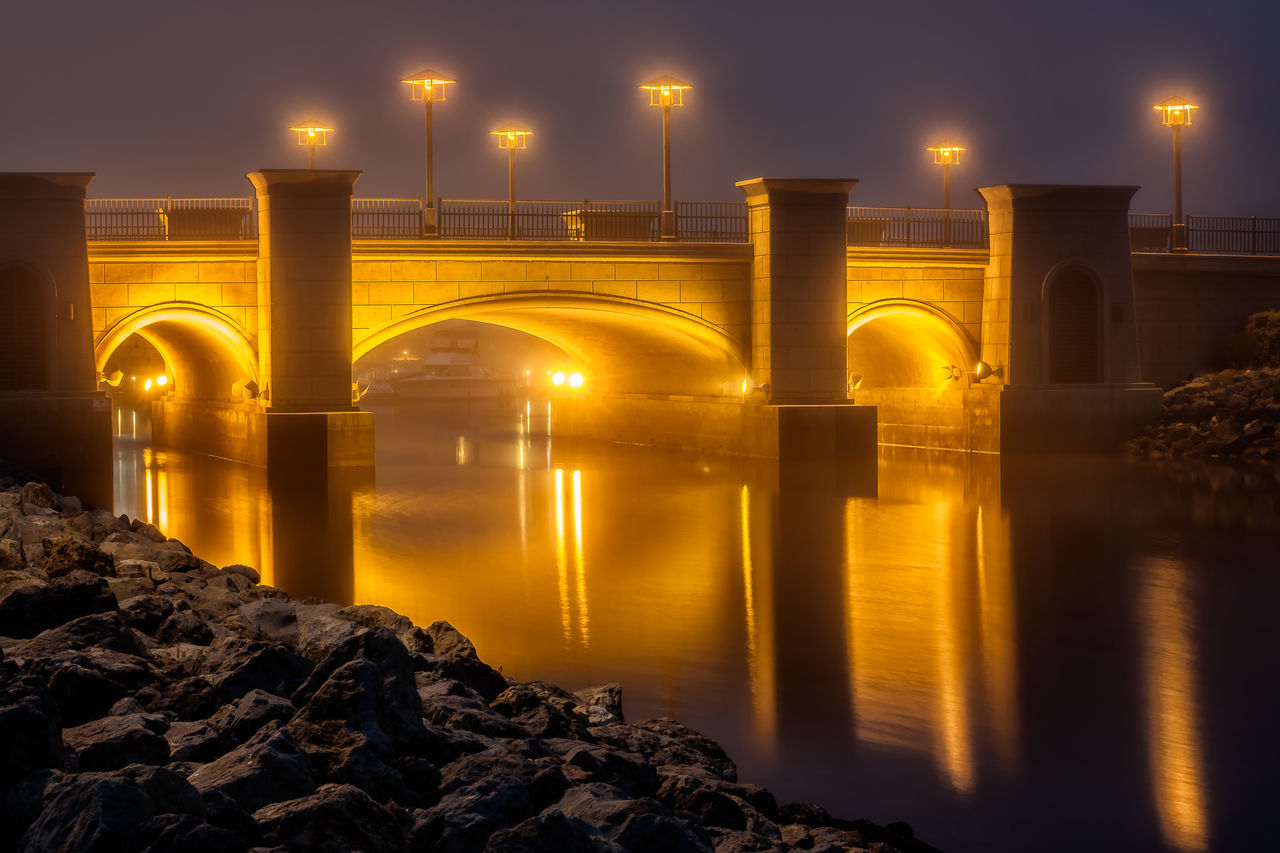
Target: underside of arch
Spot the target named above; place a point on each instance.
(205, 351)
(907, 344)
(623, 346)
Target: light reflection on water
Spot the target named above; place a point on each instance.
(976, 646)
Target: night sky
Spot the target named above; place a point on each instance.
(182, 98)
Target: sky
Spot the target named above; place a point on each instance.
(182, 98)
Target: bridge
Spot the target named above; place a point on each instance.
(1029, 324)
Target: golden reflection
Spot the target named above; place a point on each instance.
(147, 476)
(562, 570)
(930, 623)
(162, 496)
(759, 622)
(584, 617)
(1173, 725)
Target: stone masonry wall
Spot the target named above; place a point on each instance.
(950, 285)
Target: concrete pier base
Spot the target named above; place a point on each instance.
(1063, 418)
(717, 425)
(61, 438)
(246, 432)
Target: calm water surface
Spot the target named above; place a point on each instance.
(1009, 657)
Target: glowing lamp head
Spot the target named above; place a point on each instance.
(512, 135)
(428, 85)
(312, 135)
(558, 378)
(576, 379)
(146, 386)
(1176, 111)
(162, 380)
(666, 91)
(946, 154)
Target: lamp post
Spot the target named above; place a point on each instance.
(428, 86)
(1175, 113)
(946, 155)
(311, 136)
(666, 92)
(511, 136)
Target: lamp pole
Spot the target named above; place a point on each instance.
(666, 92)
(428, 86)
(1174, 113)
(946, 154)
(511, 136)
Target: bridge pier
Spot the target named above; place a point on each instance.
(1058, 318)
(53, 421)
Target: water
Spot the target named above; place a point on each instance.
(1066, 656)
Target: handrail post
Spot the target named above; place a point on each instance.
(1253, 235)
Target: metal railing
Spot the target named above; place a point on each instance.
(386, 218)
(711, 222)
(1249, 235)
(1240, 235)
(919, 227)
(488, 219)
(169, 219)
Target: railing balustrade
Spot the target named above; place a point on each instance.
(1249, 235)
(386, 218)
(918, 227)
(169, 219)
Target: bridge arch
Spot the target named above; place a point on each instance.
(904, 343)
(623, 345)
(204, 350)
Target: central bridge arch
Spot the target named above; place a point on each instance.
(903, 343)
(623, 345)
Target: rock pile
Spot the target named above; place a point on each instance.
(151, 701)
(1233, 414)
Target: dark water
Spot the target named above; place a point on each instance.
(1077, 656)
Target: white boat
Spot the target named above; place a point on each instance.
(451, 374)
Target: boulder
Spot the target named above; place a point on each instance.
(448, 640)
(114, 742)
(38, 495)
(254, 710)
(184, 626)
(551, 831)
(269, 768)
(30, 726)
(334, 819)
(32, 607)
(64, 554)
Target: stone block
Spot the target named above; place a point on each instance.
(639, 271)
(223, 271)
(413, 271)
(625, 289)
(434, 292)
(459, 271)
(503, 270)
(591, 270)
(370, 271)
(391, 293)
(127, 273)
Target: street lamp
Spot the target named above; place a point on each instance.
(511, 136)
(428, 86)
(946, 155)
(666, 92)
(312, 136)
(1176, 112)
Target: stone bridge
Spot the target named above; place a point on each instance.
(670, 333)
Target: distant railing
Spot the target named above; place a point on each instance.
(1242, 235)
(711, 222)
(471, 219)
(169, 219)
(386, 218)
(919, 227)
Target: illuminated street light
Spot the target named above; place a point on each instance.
(946, 155)
(428, 86)
(666, 92)
(311, 136)
(1176, 112)
(511, 136)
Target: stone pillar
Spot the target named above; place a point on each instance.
(304, 315)
(1043, 237)
(54, 423)
(799, 307)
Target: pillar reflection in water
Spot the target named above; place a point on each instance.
(575, 616)
(930, 624)
(1173, 727)
(759, 621)
(312, 529)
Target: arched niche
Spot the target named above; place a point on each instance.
(28, 308)
(1073, 326)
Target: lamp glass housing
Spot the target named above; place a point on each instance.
(946, 154)
(666, 91)
(1176, 112)
(312, 135)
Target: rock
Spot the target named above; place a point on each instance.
(103, 630)
(337, 818)
(254, 710)
(114, 742)
(269, 768)
(358, 711)
(33, 607)
(64, 554)
(127, 705)
(271, 619)
(666, 742)
(271, 667)
(486, 681)
(191, 698)
(447, 640)
(81, 525)
(30, 726)
(374, 616)
(244, 571)
(180, 832)
(184, 626)
(87, 684)
(38, 495)
(71, 504)
(587, 762)
(145, 612)
(194, 740)
(552, 832)
(603, 704)
(634, 824)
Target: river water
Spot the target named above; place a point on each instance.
(1079, 654)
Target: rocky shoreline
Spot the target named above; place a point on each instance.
(150, 701)
(1231, 414)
